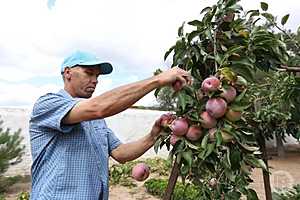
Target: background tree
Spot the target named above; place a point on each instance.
(11, 152)
(165, 99)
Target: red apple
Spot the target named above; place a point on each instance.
(177, 85)
(167, 119)
(229, 94)
(210, 84)
(179, 126)
(216, 107)
(194, 133)
(233, 116)
(174, 139)
(140, 172)
(207, 121)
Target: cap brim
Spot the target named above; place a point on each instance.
(105, 67)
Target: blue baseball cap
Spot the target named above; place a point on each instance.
(85, 59)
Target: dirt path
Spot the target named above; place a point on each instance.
(285, 173)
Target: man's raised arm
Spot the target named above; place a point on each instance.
(121, 98)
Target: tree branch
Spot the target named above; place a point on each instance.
(290, 69)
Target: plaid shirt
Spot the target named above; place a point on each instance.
(70, 162)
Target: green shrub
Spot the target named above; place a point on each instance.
(287, 193)
(157, 187)
(11, 152)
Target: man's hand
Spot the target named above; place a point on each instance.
(156, 128)
(163, 121)
(176, 77)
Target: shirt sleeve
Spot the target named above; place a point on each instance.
(113, 141)
(49, 111)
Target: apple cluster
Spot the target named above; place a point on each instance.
(218, 97)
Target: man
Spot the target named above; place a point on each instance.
(70, 142)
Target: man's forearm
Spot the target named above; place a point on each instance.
(119, 99)
(130, 151)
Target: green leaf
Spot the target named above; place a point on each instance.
(251, 195)
(236, 107)
(210, 149)
(192, 146)
(168, 52)
(268, 16)
(244, 62)
(235, 159)
(219, 138)
(247, 133)
(230, 2)
(284, 19)
(234, 49)
(184, 169)
(157, 144)
(231, 176)
(157, 92)
(178, 158)
(253, 12)
(188, 157)
(228, 157)
(256, 162)
(244, 71)
(264, 6)
(249, 148)
(240, 97)
(180, 30)
(235, 7)
(262, 164)
(196, 23)
(245, 168)
(193, 34)
(171, 156)
(204, 141)
(219, 58)
(206, 9)
(182, 101)
(179, 146)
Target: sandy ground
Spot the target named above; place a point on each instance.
(285, 173)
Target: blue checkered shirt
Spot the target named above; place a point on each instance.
(70, 162)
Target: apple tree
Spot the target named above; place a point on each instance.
(209, 135)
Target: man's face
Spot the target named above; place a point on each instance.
(83, 80)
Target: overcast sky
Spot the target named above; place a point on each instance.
(133, 35)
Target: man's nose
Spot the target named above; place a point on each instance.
(95, 80)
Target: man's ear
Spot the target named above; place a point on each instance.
(67, 73)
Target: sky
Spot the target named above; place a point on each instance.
(36, 35)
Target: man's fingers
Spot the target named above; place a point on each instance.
(188, 79)
(158, 121)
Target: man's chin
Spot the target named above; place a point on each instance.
(87, 95)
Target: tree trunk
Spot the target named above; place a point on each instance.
(280, 146)
(172, 181)
(266, 175)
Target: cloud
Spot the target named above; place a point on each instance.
(23, 94)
